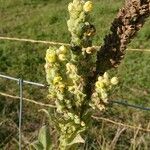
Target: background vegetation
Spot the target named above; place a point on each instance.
(46, 20)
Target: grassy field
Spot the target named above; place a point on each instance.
(46, 20)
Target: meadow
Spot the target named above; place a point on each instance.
(46, 20)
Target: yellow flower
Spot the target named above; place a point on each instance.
(51, 57)
(114, 81)
(100, 85)
(71, 88)
(57, 79)
(88, 6)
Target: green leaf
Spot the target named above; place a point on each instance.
(37, 145)
(45, 138)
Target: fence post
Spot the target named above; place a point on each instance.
(20, 111)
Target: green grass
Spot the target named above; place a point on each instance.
(46, 20)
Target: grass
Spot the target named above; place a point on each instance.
(46, 20)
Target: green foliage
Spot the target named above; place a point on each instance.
(44, 140)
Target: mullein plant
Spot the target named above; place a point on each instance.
(76, 74)
(68, 73)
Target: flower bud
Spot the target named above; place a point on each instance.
(104, 96)
(82, 124)
(71, 115)
(106, 75)
(47, 66)
(71, 88)
(51, 57)
(62, 57)
(88, 6)
(70, 7)
(57, 79)
(114, 81)
(77, 121)
(100, 78)
(63, 49)
(106, 81)
(100, 85)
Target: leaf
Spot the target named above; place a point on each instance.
(52, 119)
(45, 138)
(37, 145)
(77, 139)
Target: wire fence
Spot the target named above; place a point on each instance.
(20, 97)
(21, 83)
(57, 43)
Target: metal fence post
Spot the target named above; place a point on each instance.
(20, 111)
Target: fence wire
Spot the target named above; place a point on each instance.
(57, 43)
(21, 82)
